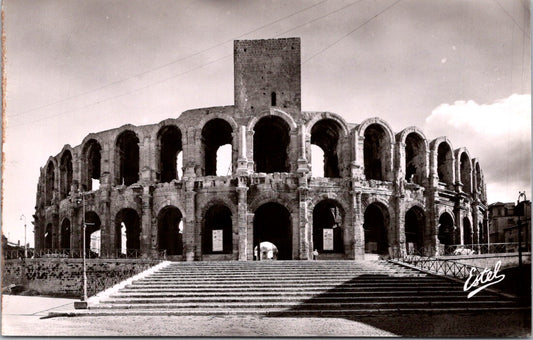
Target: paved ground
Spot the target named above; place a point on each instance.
(21, 315)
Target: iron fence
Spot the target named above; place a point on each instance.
(78, 253)
(485, 248)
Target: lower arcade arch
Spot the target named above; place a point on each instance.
(92, 234)
(376, 221)
(217, 230)
(170, 231)
(415, 224)
(127, 232)
(328, 227)
(446, 229)
(272, 223)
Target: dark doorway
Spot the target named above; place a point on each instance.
(328, 227)
(415, 223)
(272, 223)
(170, 230)
(217, 235)
(446, 229)
(92, 233)
(375, 224)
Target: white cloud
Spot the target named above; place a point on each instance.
(498, 134)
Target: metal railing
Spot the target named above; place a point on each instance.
(435, 265)
(484, 248)
(78, 253)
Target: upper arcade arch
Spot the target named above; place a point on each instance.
(216, 133)
(326, 134)
(464, 169)
(272, 112)
(91, 163)
(271, 145)
(414, 159)
(377, 149)
(442, 155)
(127, 158)
(170, 145)
(65, 174)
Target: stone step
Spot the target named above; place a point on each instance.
(297, 299)
(309, 304)
(276, 293)
(293, 278)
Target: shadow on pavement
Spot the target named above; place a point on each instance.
(411, 320)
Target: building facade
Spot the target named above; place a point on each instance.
(505, 221)
(154, 188)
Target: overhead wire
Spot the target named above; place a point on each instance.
(171, 62)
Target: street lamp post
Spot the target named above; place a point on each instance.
(22, 217)
(83, 303)
(521, 194)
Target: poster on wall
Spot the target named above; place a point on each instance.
(328, 239)
(217, 240)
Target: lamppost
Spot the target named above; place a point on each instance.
(83, 303)
(520, 211)
(22, 217)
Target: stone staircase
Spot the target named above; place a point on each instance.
(293, 288)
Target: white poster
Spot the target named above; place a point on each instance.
(217, 240)
(328, 239)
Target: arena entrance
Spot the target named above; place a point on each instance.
(272, 230)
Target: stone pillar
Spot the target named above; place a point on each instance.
(250, 239)
(303, 165)
(399, 220)
(242, 162)
(242, 223)
(189, 154)
(107, 236)
(293, 150)
(358, 249)
(146, 222)
(458, 236)
(189, 225)
(250, 150)
(305, 253)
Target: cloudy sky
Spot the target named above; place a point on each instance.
(454, 68)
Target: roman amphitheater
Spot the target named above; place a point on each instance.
(157, 190)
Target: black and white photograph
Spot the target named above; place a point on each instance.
(273, 168)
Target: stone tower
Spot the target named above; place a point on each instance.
(267, 74)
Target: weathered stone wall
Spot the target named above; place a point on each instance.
(63, 277)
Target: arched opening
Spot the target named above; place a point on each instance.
(128, 158)
(467, 229)
(93, 239)
(271, 145)
(375, 225)
(170, 147)
(170, 230)
(215, 133)
(446, 229)
(325, 134)
(272, 223)
(128, 227)
(328, 227)
(50, 183)
(479, 181)
(217, 235)
(224, 163)
(445, 163)
(415, 159)
(65, 173)
(466, 173)
(48, 236)
(415, 223)
(376, 151)
(92, 157)
(65, 234)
